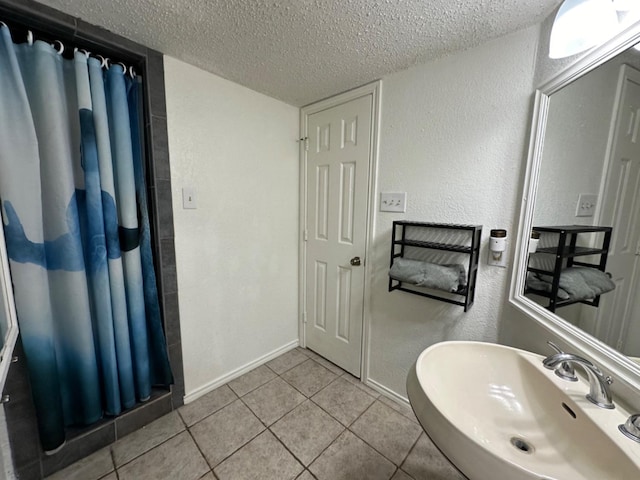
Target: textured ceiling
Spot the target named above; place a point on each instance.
(300, 51)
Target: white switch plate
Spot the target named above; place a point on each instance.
(393, 202)
(188, 198)
(586, 205)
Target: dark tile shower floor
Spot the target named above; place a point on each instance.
(296, 417)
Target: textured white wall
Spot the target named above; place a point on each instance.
(575, 146)
(6, 462)
(453, 136)
(236, 253)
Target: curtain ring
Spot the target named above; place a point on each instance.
(60, 49)
(30, 37)
(124, 67)
(104, 62)
(82, 50)
(132, 72)
(2, 24)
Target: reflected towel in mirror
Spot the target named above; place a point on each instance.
(576, 283)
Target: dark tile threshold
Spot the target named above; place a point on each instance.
(75, 432)
(83, 441)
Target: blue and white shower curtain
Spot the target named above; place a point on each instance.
(77, 230)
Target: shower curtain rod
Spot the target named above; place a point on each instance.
(59, 46)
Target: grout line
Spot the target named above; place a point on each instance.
(375, 449)
(281, 416)
(174, 435)
(303, 393)
(253, 413)
(236, 450)
(288, 368)
(340, 421)
(113, 460)
(307, 398)
(210, 413)
(304, 467)
(254, 388)
(201, 452)
(269, 367)
(327, 448)
(285, 446)
(240, 447)
(181, 418)
(410, 450)
(329, 413)
(381, 453)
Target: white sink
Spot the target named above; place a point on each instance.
(498, 414)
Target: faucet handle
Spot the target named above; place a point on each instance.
(631, 428)
(565, 369)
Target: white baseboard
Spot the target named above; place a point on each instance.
(218, 382)
(378, 387)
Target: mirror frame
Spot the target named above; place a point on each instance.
(621, 367)
(6, 292)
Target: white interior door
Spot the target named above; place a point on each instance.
(337, 181)
(621, 209)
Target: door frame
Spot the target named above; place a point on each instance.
(626, 73)
(374, 89)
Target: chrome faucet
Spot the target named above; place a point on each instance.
(599, 392)
(564, 370)
(631, 428)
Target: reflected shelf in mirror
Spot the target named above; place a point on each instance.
(573, 152)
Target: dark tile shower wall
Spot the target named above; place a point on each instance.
(29, 460)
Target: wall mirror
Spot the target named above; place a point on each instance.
(584, 169)
(8, 323)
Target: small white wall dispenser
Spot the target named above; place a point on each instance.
(498, 248)
(533, 241)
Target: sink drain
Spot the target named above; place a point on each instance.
(522, 445)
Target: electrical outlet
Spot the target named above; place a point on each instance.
(586, 205)
(188, 198)
(393, 202)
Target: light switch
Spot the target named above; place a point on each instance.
(188, 198)
(586, 205)
(393, 202)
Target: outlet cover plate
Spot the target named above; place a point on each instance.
(393, 202)
(189, 198)
(497, 259)
(586, 205)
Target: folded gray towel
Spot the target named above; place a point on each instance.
(597, 280)
(536, 283)
(573, 283)
(431, 275)
(579, 283)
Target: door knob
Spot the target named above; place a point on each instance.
(355, 261)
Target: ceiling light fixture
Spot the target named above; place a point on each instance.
(580, 25)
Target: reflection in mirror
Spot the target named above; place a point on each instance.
(8, 324)
(590, 176)
(4, 322)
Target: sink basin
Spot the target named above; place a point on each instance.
(498, 414)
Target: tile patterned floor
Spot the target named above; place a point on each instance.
(297, 417)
